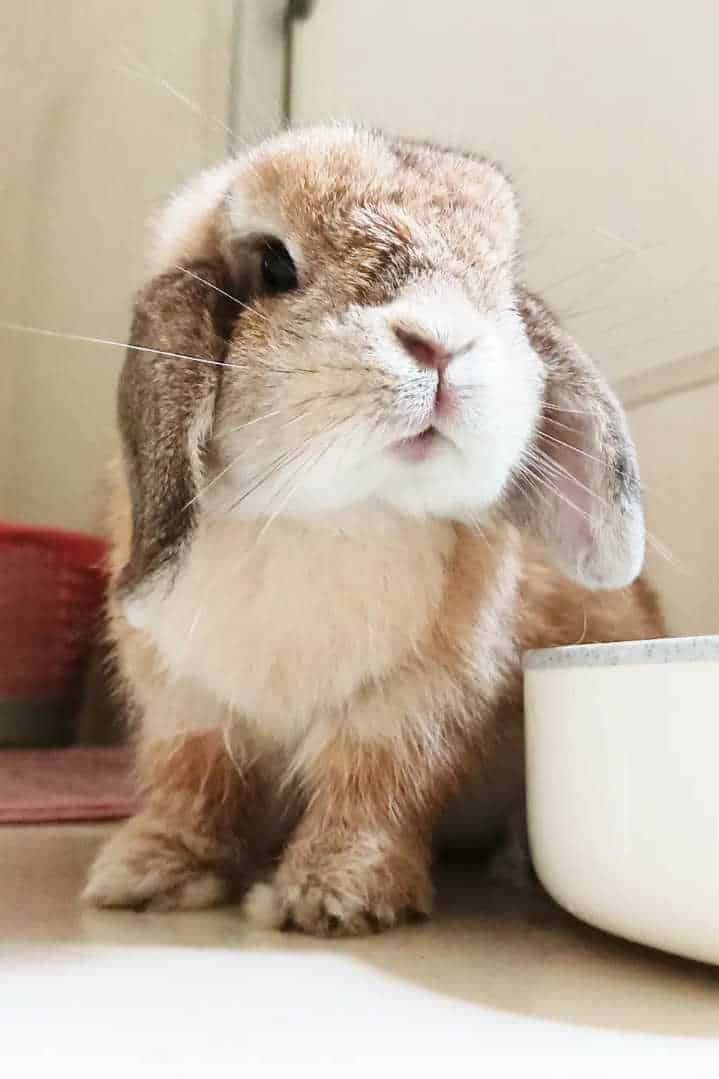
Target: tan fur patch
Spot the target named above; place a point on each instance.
(359, 859)
(205, 825)
(354, 662)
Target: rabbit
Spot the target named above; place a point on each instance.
(363, 470)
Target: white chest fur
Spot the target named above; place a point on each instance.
(280, 624)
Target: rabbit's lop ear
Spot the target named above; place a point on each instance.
(579, 489)
(166, 405)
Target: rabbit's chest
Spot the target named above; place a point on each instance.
(292, 622)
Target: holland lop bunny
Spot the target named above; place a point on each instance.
(363, 470)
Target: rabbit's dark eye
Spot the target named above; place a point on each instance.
(278, 269)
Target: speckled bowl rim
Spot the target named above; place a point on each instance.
(625, 653)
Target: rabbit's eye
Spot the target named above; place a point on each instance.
(278, 269)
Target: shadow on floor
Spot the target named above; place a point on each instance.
(499, 948)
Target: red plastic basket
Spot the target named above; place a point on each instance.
(52, 585)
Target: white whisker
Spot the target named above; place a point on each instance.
(569, 411)
(236, 460)
(546, 482)
(210, 485)
(590, 267)
(667, 554)
(532, 489)
(574, 449)
(257, 419)
(17, 327)
(299, 475)
(564, 426)
(142, 71)
(216, 288)
(475, 523)
(285, 458)
(544, 460)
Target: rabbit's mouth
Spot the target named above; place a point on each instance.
(418, 447)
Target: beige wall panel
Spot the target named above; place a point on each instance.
(90, 151)
(677, 439)
(605, 113)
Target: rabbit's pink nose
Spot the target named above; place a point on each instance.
(426, 353)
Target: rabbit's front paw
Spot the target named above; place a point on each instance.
(367, 884)
(144, 868)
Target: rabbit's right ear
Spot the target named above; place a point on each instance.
(166, 405)
(584, 497)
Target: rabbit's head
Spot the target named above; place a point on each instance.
(335, 323)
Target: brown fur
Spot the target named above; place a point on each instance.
(359, 860)
(326, 686)
(202, 830)
(177, 315)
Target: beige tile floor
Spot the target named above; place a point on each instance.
(518, 955)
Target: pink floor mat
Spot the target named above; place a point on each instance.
(78, 783)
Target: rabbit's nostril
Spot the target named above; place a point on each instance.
(424, 352)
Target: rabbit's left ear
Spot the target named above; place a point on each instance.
(579, 490)
(166, 406)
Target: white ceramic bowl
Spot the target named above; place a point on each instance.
(623, 787)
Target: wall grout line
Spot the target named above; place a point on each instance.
(681, 375)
